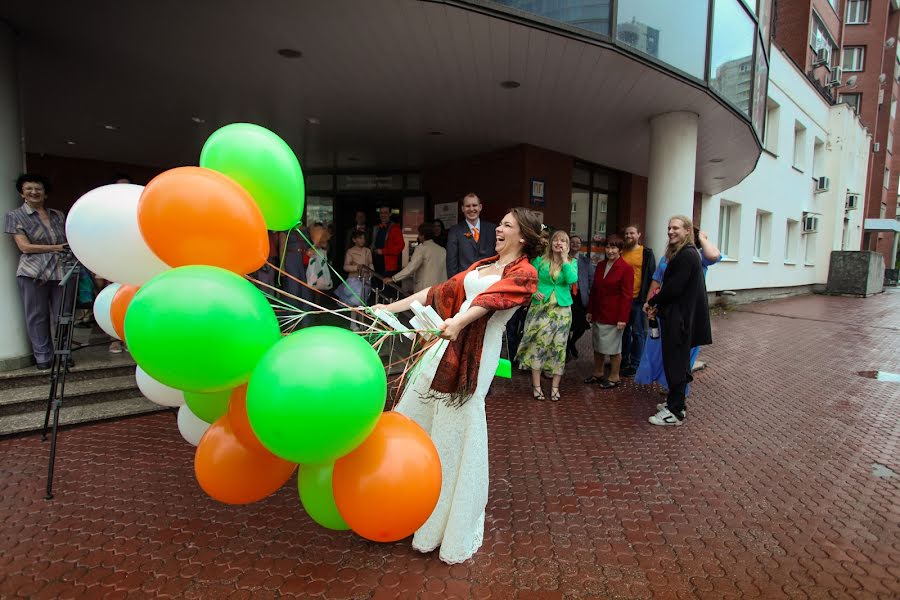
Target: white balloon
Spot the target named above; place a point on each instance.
(191, 426)
(102, 230)
(157, 392)
(102, 306)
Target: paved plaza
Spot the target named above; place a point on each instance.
(783, 483)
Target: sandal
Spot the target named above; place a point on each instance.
(537, 392)
(554, 394)
(608, 385)
(594, 379)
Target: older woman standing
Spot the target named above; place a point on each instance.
(40, 234)
(609, 306)
(549, 319)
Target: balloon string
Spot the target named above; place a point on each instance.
(331, 267)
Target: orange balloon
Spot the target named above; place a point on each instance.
(240, 424)
(230, 473)
(197, 216)
(388, 487)
(119, 306)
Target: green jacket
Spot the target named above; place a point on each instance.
(562, 285)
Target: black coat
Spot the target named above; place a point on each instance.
(683, 312)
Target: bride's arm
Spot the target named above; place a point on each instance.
(451, 328)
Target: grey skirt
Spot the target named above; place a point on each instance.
(607, 338)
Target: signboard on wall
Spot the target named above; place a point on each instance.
(537, 192)
(448, 213)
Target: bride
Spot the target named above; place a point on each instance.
(446, 391)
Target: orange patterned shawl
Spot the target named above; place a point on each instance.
(457, 373)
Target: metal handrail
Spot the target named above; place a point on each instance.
(365, 271)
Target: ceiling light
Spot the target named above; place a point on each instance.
(198, 120)
(435, 133)
(70, 142)
(110, 127)
(313, 120)
(510, 84)
(719, 177)
(289, 53)
(716, 160)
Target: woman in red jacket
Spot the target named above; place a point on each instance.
(608, 309)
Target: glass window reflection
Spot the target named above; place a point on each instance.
(592, 15)
(765, 21)
(673, 32)
(731, 57)
(759, 92)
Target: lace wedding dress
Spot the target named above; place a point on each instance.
(460, 435)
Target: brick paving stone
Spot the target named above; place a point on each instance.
(767, 491)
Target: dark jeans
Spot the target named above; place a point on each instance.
(42, 301)
(677, 366)
(579, 325)
(634, 335)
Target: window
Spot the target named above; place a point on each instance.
(818, 168)
(762, 236)
(770, 141)
(890, 142)
(852, 100)
(853, 58)
(729, 228)
(887, 177)
(664, 30)
(799, 145)
(809, 249)
(893, 108)
(731, 53)
(821, 40)
(857, 12)
(791, 235)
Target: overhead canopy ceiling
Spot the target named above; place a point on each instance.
(127, 81)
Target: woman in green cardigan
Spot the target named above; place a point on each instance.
(549, 319)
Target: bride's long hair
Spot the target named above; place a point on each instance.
(530, 225)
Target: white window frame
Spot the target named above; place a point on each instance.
(857, 12)
(853, 58)
(770, 133)
(762, 236)
(791, 237)
(857, 100)
(729, 229)
(799, 159)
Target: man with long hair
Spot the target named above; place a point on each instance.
(683, 313)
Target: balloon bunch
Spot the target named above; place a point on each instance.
(255, 403)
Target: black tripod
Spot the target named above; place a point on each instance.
(62, 357)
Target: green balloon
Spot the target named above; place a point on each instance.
(316, 395)
(264, 165)
(199, 328)
(208, 407)
(317, 497)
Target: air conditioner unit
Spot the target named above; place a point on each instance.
(852, 202)
(876, 147)
(810, 223)
(823, 56)
(835, 79)
(822, 184)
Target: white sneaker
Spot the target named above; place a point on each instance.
(664, 417)
(664, 406)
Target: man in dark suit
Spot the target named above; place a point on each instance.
(471, 240)
(579, 300)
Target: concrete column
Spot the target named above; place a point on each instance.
(670, 177)
(15, 350)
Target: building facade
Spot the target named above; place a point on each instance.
(778, 227)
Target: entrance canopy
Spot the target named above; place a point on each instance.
(380, 84)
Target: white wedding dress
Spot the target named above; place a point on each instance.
(460, 435)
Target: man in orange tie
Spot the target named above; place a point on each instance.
(471, 240)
